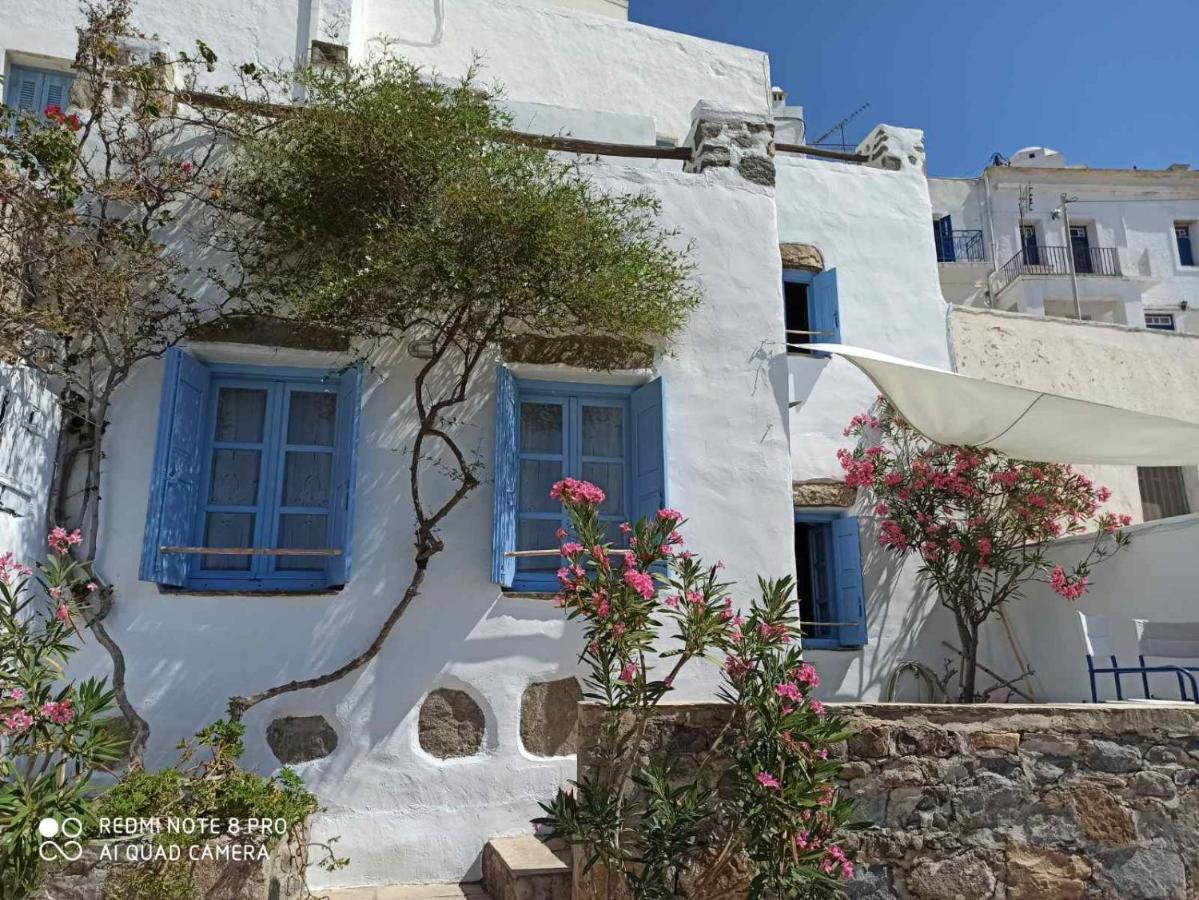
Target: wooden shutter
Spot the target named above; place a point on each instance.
(848, 587)
(824, 312)
(57, 91)
(945, 239)
(648, 410)
(26, 89)
(345, 456)
(503, 531)
(175, 476)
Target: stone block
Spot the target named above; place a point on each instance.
(451, 724)
(297, 739)
(1102, 817)
(1108, 756)
(871, 743)
(823, 492)
(1142, 873)
(549, 717)
(802, 256)
(1005, 741)
(1035, 873)
(967, 876)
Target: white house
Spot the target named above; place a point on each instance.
(736, 429)
(1007, 241)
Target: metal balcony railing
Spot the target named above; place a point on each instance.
(1055, 261)
(967, 247)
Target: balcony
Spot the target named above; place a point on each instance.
(1045, 261)
(967, 246)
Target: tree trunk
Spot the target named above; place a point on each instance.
(968, 635)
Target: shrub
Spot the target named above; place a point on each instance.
(51, 727)
(765, 791)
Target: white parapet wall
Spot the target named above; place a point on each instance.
(28, 435)
(1134, 368)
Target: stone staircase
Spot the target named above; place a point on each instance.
(514, 868)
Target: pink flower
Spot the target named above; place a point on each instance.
(61, 541)
(573, 492)
(628, 673)
(806, 674)
(572, 548)
(619, 629)
(63, 613)
(17, 721)
(769, 781)
(670, 515)
(639, 582)
(816, 706)
(1066, 587)
(984, 546)
(60, 713)
(92, 586)
(789, 691)
(17, 694)
(55, 592)
(10, 567)
(602, 609)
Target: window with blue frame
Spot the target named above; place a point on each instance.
(828, 565)
(35, 90)
(609, 435)
(943, 239)
(1182, 236)
(252, 484)
(811, 310)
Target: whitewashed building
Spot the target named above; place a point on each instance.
(736, 429)
(1005, 240)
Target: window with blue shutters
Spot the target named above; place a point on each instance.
(253, 478)
(832, 598)
(943, 239)
(612, 436)
(1182, 237)
(35, 90)
(811, 309)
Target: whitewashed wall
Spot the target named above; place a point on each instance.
(402, 815)
(1153, 579)
(28, 434)
(1112, 364)
(874, 227)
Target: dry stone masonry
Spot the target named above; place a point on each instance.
(549, 717)
(997, 802)
(297, 739)
(723, 138)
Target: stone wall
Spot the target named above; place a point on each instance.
(1003, 802)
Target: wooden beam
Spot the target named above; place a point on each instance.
(597, 148)
(821, 152)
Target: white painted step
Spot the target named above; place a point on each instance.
(409, 892)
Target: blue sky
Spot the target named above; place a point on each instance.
(1107, 83)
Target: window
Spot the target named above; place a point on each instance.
(828, 565)
(1160, 321)
(256, 462)
(1028, 243)
(33, 90)
(1182, 234)
(545, 431)
(1163, 492)
(943, 238)
(810, 309)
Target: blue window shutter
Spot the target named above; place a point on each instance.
(503, 533)
(25, 89)
(648, 409)
(824, 312)
(341, 535)
(57, 91)
(175, 477)
(849, 590)
(945, 252)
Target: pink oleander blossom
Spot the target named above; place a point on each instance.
(63, 613)
(9, 567)
(640, 582)
(670, 515)
(573, 492)
(60, 713)
(1065, 586)
(789, 691)
(816, 706)
(572, 548)
(628, 673)
(768, 781)
(61, 541)
(16, 721)
(17, 694)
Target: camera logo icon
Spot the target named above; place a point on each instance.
(60, 839)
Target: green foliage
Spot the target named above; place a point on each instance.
(391, 200)
(51, 727)
(763, 790)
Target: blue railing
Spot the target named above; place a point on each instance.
(967, 247)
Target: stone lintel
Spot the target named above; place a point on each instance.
(822, 492)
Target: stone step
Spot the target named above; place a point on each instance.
(525, 868)
(410, 892)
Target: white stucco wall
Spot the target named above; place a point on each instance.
(555, 56)
(1116, 365)
(28, 434)
(874, 227)
(401, 815)
(1153, 579)
(1132, 211)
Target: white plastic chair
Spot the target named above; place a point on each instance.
(1167, 640)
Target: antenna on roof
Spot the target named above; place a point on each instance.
(840, 126)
